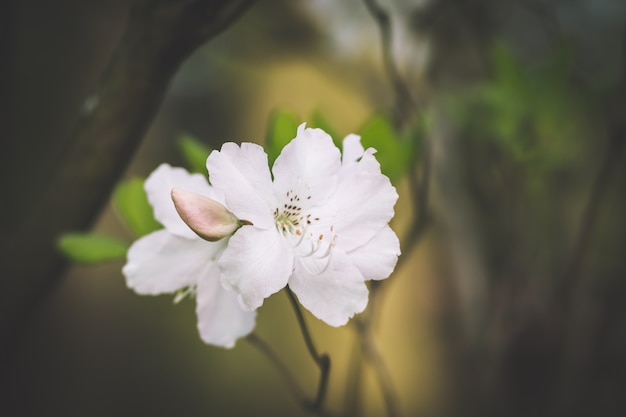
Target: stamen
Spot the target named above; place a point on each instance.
(304, 263)
(314, 250)
(300, 239)
(182, 293)
(311, 250)
(328, 250)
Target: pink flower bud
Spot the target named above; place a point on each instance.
(207, 218)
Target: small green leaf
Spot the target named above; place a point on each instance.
(394, 153)
(282, 127)
(194, 152)
(91, 247)
(131, 203)
(320, 121)
(508, 72)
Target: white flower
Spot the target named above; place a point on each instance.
(321, 225)
(175, 259)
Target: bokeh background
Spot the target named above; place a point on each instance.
(510, 296)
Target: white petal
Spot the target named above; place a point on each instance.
(378, 257)
(221, 321)
(243, 175)
(256, 264)
(367, 163)
(352, 149)
(308, 166)
(163, 263)
(159, 186)
(359, 208)
(333, 296)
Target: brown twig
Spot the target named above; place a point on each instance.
(404, 109)
(571, 276)
(616, 110)
(321, 360)
(373, 357)
(404, 103)
(259, 343)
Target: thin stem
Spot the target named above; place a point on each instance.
(420, 186)
(615, 147)
(353, 381)
(405, 106)
(322, 361)
(571, 277)
(264, 347)
(374, 358)
(364, 324)
(292, 384)
(403, 100)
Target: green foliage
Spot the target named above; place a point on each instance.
(530, 113)
(281, 128)
(131, 203)
(525, 135)
(394, 152)
(194, 152)
(91, 248)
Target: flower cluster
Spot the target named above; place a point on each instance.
(318, 223)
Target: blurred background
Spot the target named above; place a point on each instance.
(509, 299)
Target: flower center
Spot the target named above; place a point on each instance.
(305, 235)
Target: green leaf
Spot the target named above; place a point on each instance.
(194, 152)
(529, 112)
(131, 203)
(320, 121)
(394, 153)
(282, 127)
(91, 247)
(508, 72)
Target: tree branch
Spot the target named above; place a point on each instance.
(159, 36)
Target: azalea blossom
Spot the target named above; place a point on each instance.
(177, 260)
(317, 223)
